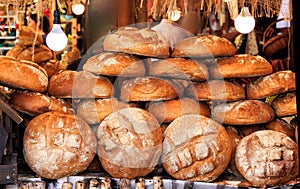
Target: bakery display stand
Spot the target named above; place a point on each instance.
(8, 157)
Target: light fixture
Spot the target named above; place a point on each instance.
(77, 8)
(174, 15)
(56, 40)
(244, 22)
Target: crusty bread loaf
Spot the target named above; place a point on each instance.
(129, 143)
(244, 112)
(131, 40)
(196, 148)
(15, 51)
(58, 144)
(273, 84)
(27, 36)
(23, 74)
(33, 103)
(181, 68)
(222, 90)
(115, 64)
(204, 46)
(51, 67)
(282, 126)
(37, 54)
(82, 84)
(167, 111)
(285, 104)
(239, 66)
(267, 158)
(148, 89)
(95, 110)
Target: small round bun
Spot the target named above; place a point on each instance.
(244, 112)
(273, 84)
(196, 148)
(129, 143)
(221, 90)
(204, 46)
(167, 111)
(131, 40)
(115, 64)
(267, 158)
(148, 89)
(180, 68)
(27, 36)
(34, 103)
(58, 144)
(285, 104)
(23, 74)
(240, 66)
(82, 84)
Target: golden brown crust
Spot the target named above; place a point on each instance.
(15, 51)
(129, 143)
(222, 90)
(167, 111)
(204, 46)
(58, 144)
(202, 153)
(27, 35)
(244, 112)
(115, 64)
(82, 84)
(40, 54)
(285, 104)
(131, 40)
(239, 66)
(273, 84)
(282, 126)
(267, 158)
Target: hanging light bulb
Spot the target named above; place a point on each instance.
(56, 40)
(77, 8)
(174, 15)
(244, 22)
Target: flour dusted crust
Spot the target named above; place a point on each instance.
(82, 84)
(34, 103)
(204, 46)
(23, 74)
(58, 144)
(145, 42)
(196, 148)
(285, 104)
(273, 84)
(115, 64)
(148, 89)
(267, 158)
(129, 143)
(244, 112)
(239, 66)
(181, 68)
(222, 90)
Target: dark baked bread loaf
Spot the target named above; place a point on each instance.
(285, 104)
(196, 148)
(282, 126)
(204, 46)
(27, 36)
(58, 144)
(132, 40)
(129, 143)
(239, 66)
(267, 158)
(37, 54)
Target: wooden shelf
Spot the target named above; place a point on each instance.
(5, 48)
(7, 37)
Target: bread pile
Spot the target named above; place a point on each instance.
(185, 109)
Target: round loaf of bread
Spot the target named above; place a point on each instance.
(23, 74)
(244, 112)
(37, 54)
(115, 64)
(267, 158)
(148, 89)
(196, 148)
(167, 111)
(129, 143)
(181, 68)
(51, 67)
(221, 90)
(58, 144)
(239, 66)
(285, 104)
(95, 110)
(204, 46)
(82, 84)
(282, 126)
(131, 40)
(15, 51)
(27, 36)
(33, 103)
(273, 84)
